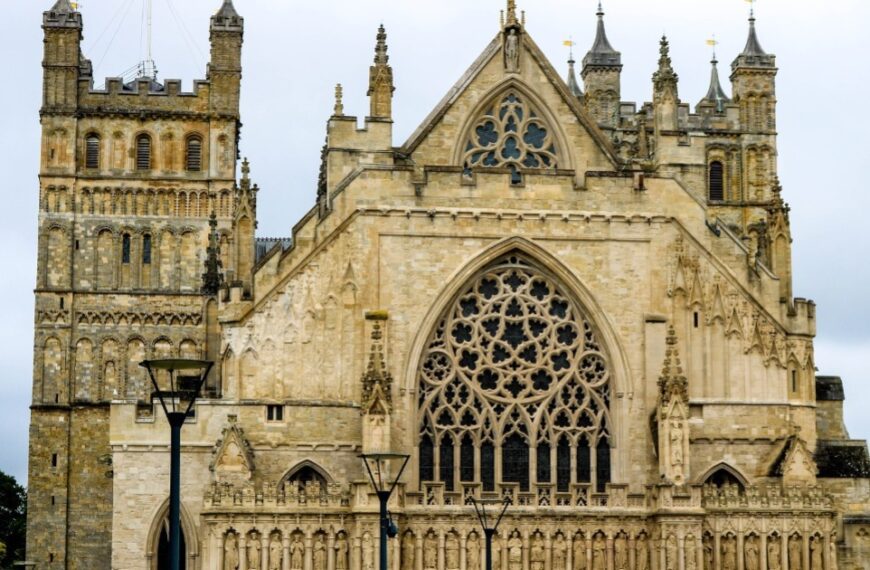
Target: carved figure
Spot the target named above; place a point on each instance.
(560, 553)
(472, 556)
(409, 552)
(579, 558)
(774, 554)
(430, 552)
(276, 556)
(751, 551)
(368, 547)
(599, 553)
(496, 553)
(672, 553)
(512, 52)
(254, 551)
(536, 555)
(515, 552)
(620, 552)
(795, 558)
(817, 550)
(691, 553)
(318, 557)
(729, 553)
(832, 543)
(708, 553)
(297, 553)
(641, 554)
(231, 552)
(341, 552)
(451, 552)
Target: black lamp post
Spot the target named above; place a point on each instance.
(177, 383)
(376, 465)
(489, 513)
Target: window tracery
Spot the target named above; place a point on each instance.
(514, 369)
(510, 134)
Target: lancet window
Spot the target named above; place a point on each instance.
(514, 387)
(511, 134)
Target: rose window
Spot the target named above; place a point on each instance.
(514, 387)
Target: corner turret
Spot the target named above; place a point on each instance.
(753, 76)
(665, 93)
(225, 68)
(62, 61)
(715, 97)
(602, 69)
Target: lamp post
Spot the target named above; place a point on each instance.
(489, 513)
(177, 383)
(376, 465)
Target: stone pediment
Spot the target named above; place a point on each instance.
(232, 458)
(794, 462)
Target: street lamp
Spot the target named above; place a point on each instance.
(489, 513)
(176, 383)
(376, 465)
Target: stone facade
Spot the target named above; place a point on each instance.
(546, 295)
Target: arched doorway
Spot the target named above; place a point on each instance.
(157, 547)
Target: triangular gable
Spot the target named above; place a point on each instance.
(474, 75)
(232, 457)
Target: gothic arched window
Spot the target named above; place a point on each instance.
(717, 181)
(510, 134)
(143, 152)
(193, 153)
(514, 375)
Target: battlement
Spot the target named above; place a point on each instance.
(144, 95)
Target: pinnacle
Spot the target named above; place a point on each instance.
(62, 7)
(381, 57)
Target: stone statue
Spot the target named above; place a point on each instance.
(560, 553)
(832, 543)
(254, 551)
(817, 549)
(579, 557)
(537, 558)
(451, 552)
(409, 552)
(620, 553)
(297, 553)
(430, 552)
(341, 552)
(691, 553)
(231, 552)
(276, 554)
(472, 556)
(774, 554)
(795, 558)
(515, 552)
(599, 553)
(641, 553)
(729, 553)
(672, 554)
(708, 553)
(318, 556)
(368, 554)
(752, 558)
(512, 52)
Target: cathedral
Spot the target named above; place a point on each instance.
(546, 294)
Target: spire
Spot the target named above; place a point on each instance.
(672, 381)
(381, 57)
(715, 94)
(227, 17)
(381, 79)
(573, 86)
(602, 53)
(753, 46)
(753, 55)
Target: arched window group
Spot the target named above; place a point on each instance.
(144, 152)
(514, 387)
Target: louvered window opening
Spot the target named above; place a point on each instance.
(194, 154)
(125, 249)
(717, 182)
(92, 152)
(146, 249)
(143, 153)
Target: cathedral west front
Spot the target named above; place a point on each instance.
(546, 294)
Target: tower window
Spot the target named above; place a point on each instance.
(92, 151)
(275, 413)
(794, 381)
(717, 182)
(143, 152)
(194, 154)
(696, 319)
(54, 460)
(146, 249)
(125, 249)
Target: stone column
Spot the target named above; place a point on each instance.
(396, 555)
(265, 551)
(330, 551)
(717, 550)
(663, 552)
(285, 550)
(783, 543)
(526, 553)
(740, 553)
(213, 560)
(418, 549)
(699, 563)
(610, 557)
(548, 550)
(681, 552)
(763, 551)
(588, 550)
(309, 551)
(806, 540)
(441, 541)
(356, 552)
(569, 556)
(632, 552)
(243, 553)
(463, 542)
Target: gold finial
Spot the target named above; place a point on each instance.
(338, 110)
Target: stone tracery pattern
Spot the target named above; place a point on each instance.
(511, 134)
(514, 364)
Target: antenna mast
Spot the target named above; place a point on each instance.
(148, 68)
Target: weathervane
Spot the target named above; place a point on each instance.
(751, 8)
(713, 43)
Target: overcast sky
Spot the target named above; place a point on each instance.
(296, 50)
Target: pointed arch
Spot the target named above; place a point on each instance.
(306, 464)
(159, 525)
(726, 470)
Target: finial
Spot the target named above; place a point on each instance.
(511, 13)
(381, 57)
(246, 168)
(751, 10)
(338, 110)
(713, 43)
(600, 9)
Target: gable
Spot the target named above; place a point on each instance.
(443, 139)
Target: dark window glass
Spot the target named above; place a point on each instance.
(125, 249)
(143, 152)
(275, 413)
(466, 459)
(163, 561)
(583, 462)
(487, 466)
(543, 458)
(427, 459)
(563, 466)
(194, 154)
(722, 477)
(717, 181)
(515, 461)
(446, 464)
(92, 151)
(146, 249)
(602, 469)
